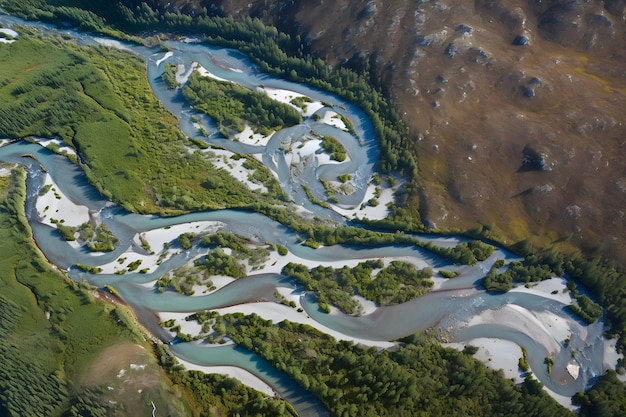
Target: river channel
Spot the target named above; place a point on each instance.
(459, 307)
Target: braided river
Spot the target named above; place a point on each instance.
(533, 318)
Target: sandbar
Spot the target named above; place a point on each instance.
(242, 375)
(56, 205)
(167, 55)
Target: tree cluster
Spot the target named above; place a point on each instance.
(467, 253)
(397, 283)
(232, 106)
(217, 262)
(418, 378)
(336, 150)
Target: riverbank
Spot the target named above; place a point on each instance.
(240, 374)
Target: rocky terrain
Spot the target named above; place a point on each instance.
(516, 107)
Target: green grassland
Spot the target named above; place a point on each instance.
(98, 100)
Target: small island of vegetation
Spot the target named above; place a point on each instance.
(393, 284)
(233, 106)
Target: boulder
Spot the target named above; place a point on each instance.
(520, 40)
(535, 160)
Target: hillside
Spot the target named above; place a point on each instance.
(478, 105)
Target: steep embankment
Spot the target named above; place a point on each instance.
(485, 86)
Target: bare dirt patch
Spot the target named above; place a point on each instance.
(113, 359)
(132, 382)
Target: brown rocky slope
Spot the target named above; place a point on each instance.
(517, 108)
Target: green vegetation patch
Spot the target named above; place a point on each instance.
(260, 174)
(397, 283)
(217, 262)
(242, 248)
(169, 75)
(495, 282)
(98, 100)
(301, 102)
(232, 106)
(336, 150)
(313, 199)
(467, 253)
(583, 306)
(532, 269)
(182, 280)
(103, 240)
(343, 178)
(348, 123)
(607, 284)
(606, 398)
(449, 274)
(66, 232)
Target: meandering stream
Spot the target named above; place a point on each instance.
(451, 307)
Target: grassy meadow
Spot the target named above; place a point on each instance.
(97, 99)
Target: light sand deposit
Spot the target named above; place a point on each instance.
(8, 32)
(167, 55)
(332, 118)
(63, 148)
(285, 96)
(248, 136)
(242, 375)
(206, 73)
(61, 208)
(544, 327)
(546, 288)
(496, 354)
(223, 159)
